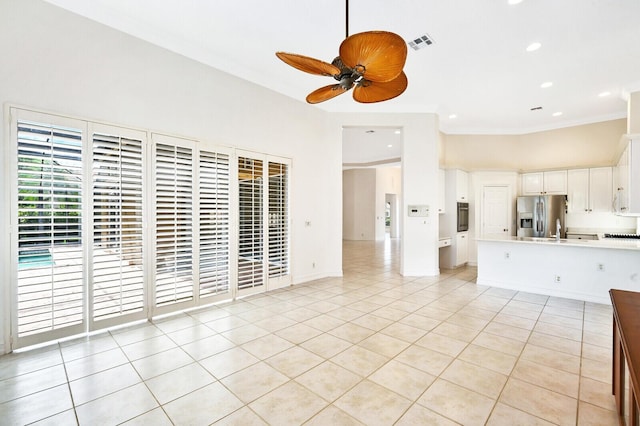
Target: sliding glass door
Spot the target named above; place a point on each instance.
(263, 223)
(111, 225)
(47, 228)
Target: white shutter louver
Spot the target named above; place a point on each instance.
(174, 224)
(50, 286)
(118, 286)
(214, 214)
(278, 220)
(250, 223)
(81, 257)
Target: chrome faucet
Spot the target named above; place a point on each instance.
(558, 229)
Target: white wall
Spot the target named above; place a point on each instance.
(359, 204)
(419, 246)
(633, 113)
(364, 199)
(56, 61)
(589, 145)
(388, 181)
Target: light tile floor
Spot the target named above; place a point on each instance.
(372, 347)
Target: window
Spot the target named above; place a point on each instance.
(118, 228)
(278, 220)
(48, 214)
(174, 223)
(109, 227)
(250, 223)
(215, 226)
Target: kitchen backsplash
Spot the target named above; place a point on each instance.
(601, 221)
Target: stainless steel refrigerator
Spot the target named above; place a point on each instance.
(537, 215)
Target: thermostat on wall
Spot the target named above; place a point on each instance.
(418, 211)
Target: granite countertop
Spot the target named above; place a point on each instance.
(609, 243)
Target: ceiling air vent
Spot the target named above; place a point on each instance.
(420, 42)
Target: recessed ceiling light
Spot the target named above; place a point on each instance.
(389, 146)
(557, 114)
(397, 132)
(514, 1)
(452, 116)
(534, 46)
(546, 84)
(604, 94)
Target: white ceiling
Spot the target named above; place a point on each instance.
(371, 146)
(477, 68)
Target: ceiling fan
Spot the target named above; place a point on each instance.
(370, 62)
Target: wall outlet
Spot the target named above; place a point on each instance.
(557, 278)
(600, 266)
(507, 255)
(313, 264)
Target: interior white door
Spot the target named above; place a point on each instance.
(496, 211)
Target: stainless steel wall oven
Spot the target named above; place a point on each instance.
(463, 217)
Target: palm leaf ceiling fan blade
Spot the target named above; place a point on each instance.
(307, 64)
(325, 93)
(378, 55)
(372, 91)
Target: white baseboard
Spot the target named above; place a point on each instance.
(312, 277)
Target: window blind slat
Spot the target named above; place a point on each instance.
(250, 223)
(278, 220)
(214, 215)
(174, 226)
(118, 278)
(50, 287)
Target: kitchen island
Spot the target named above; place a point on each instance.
(575, 269)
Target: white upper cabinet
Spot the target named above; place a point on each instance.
(601, 189)
(462, 186)
(578, 194)
(590, 190)
(532, 183)
(441, 191)
(622, 180)
(628, 180)
(553, 182)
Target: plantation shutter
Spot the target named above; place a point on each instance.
(278, 224)
(215, 226)
(49, 246)
(81, 258)
(250, 223)
(117, 250)
(174, 275)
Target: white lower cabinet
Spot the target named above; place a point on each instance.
(462, 248)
